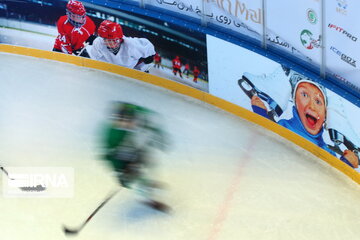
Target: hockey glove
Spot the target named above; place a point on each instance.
(90, 39)
(66, 48)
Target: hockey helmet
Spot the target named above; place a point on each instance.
(126, 112)
(110, 30)
(76, 12)
(112, 34)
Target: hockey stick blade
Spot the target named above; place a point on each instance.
(69, 232)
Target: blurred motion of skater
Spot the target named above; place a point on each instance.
(131, 135)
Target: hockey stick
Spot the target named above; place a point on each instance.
(82, 50)
(69, 231)
(6, 172)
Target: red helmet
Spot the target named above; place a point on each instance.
(110, 30)
(75, 12)
(76, 7)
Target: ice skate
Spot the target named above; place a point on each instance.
(159, 206)
(274, 89)
(340, 130)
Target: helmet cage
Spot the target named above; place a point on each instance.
(75, 19)
(112, 44)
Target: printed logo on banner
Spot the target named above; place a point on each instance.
(236, 8)
(343, 31)
(339, 77)
(311, 16)
(342, 6)
(343, 56)
(343, 79)
(308, 41)
(233, 7)
(278, 41)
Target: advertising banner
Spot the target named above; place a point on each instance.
(342, 44)
(241, 16)
(118, 37)
(299, 27)
(286, 97)
(299, 23)
(291, 26)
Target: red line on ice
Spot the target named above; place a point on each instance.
(227, 203)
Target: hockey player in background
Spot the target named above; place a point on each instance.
(187, 70)
(196, 73)
(129, 139)
(157, 61)
(113, 47)
(75, 28)
(177, 66)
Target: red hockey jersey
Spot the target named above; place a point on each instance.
(176, 63)
(196, 71)
(71, 38)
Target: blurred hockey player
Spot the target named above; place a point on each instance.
(113, 47)
(75, 28)
(129, 140)
(157, 60)
(177, 66)
(196, 73)
(187, 70)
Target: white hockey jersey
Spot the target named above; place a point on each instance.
(131, 50)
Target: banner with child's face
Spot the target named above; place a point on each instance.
(285, 97)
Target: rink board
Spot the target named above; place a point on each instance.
(191, 92)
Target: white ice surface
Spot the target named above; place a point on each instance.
(27, 39)
(227, 178)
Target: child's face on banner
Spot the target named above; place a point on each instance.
(310, 104)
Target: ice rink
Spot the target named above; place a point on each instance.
(227, 178)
